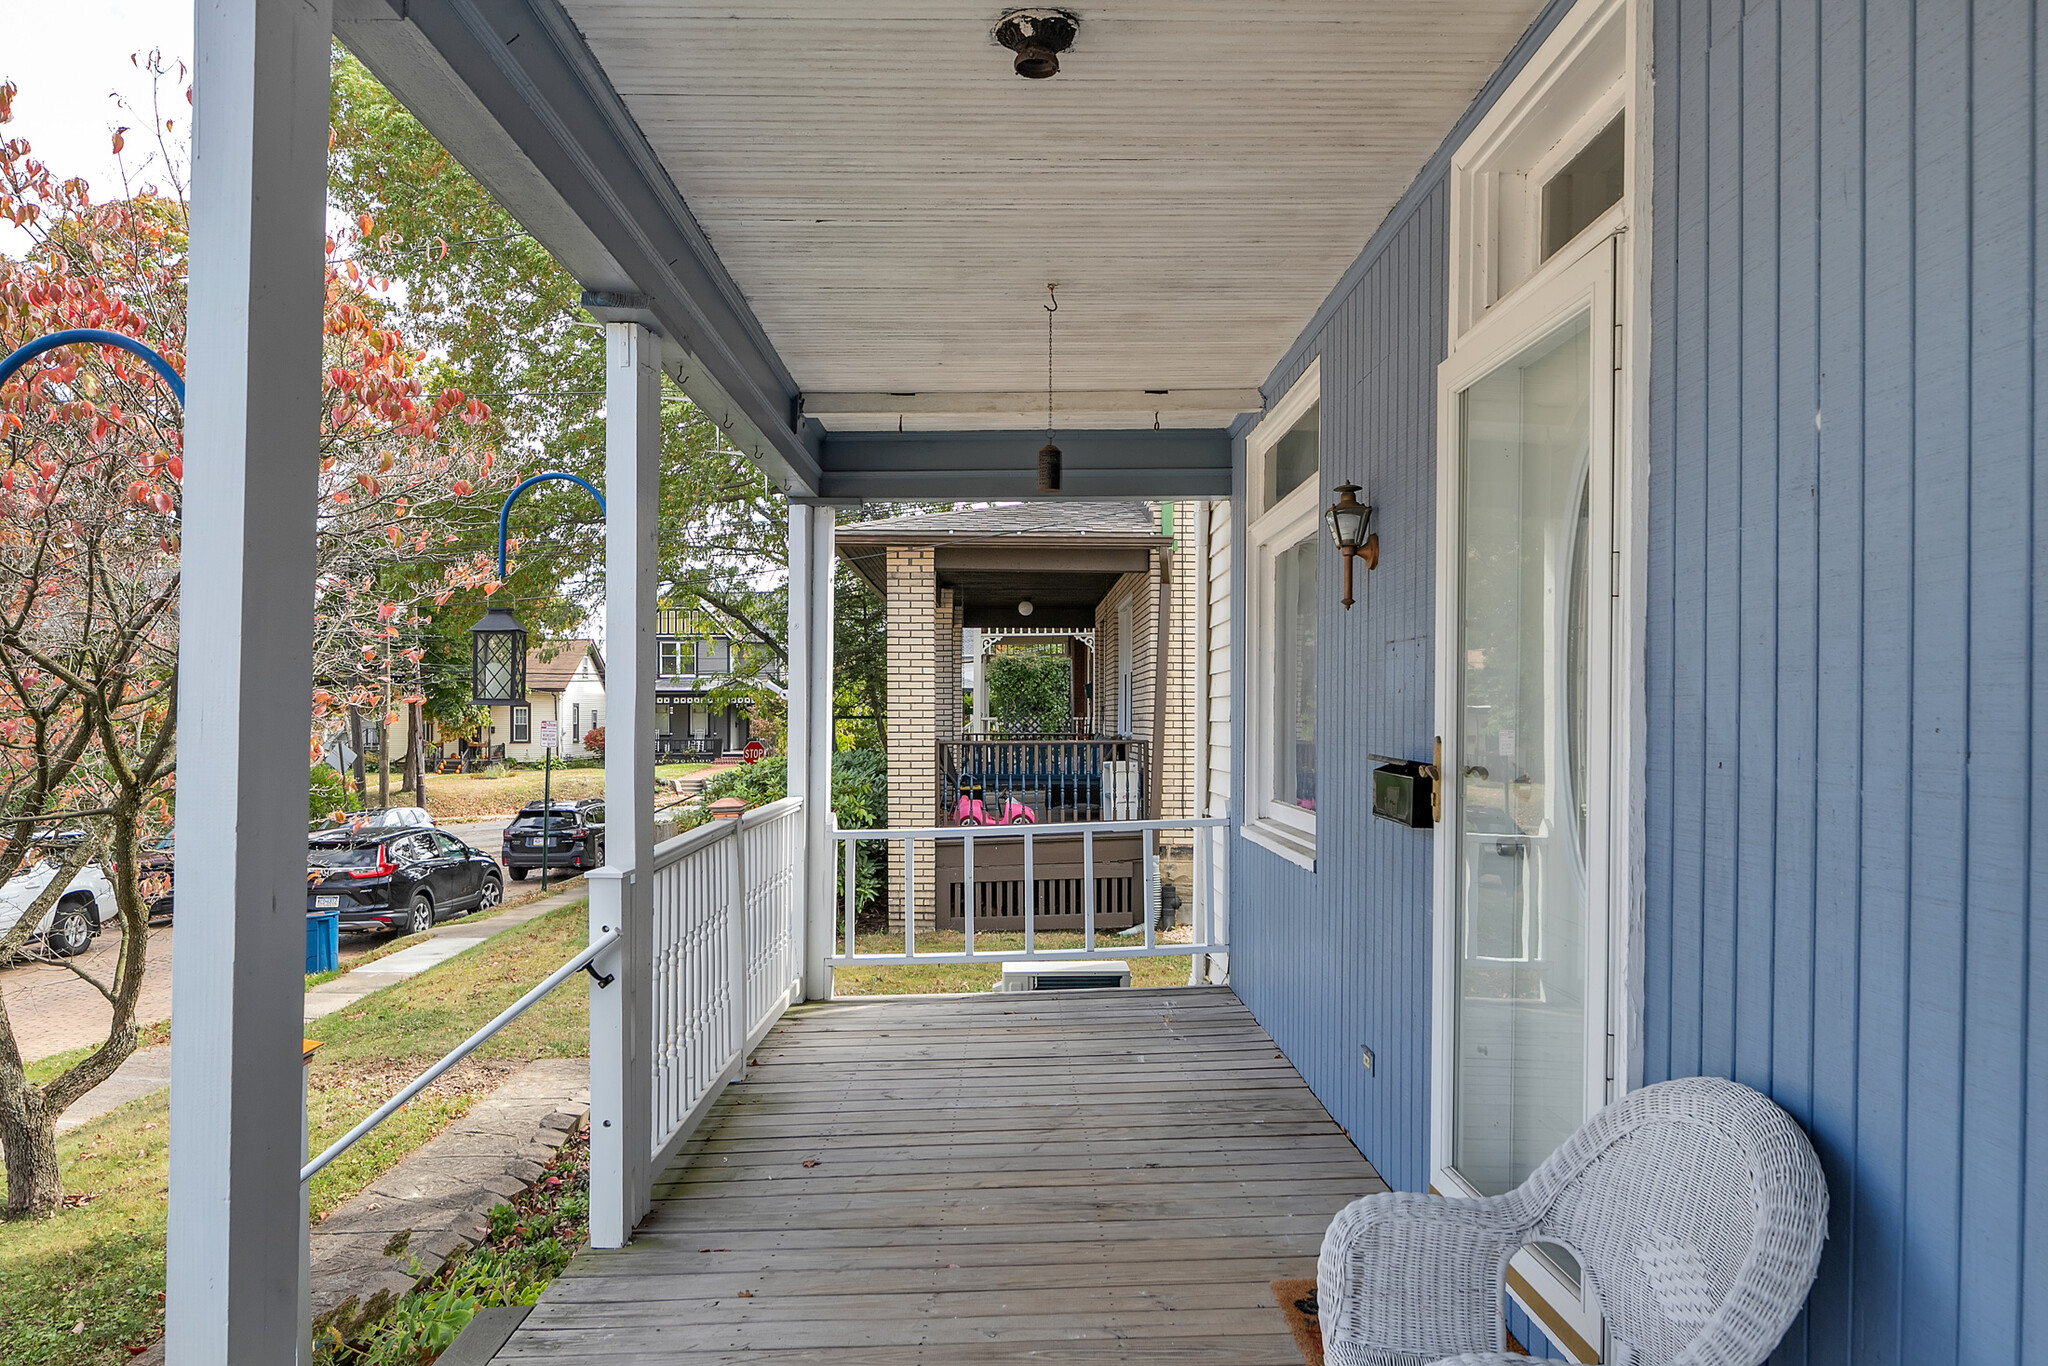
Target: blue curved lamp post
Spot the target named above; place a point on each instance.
(93, 336)
(497, 644)
(497, 656)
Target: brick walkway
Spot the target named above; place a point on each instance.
(53, 1011)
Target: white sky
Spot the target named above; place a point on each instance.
(71, 64)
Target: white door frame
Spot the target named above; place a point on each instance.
(1579, 281)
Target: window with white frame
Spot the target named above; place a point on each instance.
(1282, 547)
(672, 658)
(522, 725)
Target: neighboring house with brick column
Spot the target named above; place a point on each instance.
(1094, 579)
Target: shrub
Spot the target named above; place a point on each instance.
(860, 801)
(593, 739)
(496, 771)
(326, 793)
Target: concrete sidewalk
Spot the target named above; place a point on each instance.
(150, 1070)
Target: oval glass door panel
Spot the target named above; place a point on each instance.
(1524, 433)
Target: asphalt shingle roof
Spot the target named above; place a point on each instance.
(553, 675)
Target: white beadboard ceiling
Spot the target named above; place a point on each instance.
(892, 199)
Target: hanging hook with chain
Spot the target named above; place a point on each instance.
(1049, 454)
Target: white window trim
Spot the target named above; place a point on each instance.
(514, 726)
(1496, 172)
(1557, 1306)
(1285, 830)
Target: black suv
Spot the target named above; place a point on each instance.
(402, 881)
(574, 837)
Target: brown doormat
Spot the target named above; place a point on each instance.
(1296, 1299)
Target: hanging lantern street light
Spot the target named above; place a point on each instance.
(497, 656)
(497, 644)
(1350, 522)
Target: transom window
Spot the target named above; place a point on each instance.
(1589, 185)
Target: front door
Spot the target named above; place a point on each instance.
(1526, 715)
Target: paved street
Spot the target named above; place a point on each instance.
(53, 1011)
(150, 1070)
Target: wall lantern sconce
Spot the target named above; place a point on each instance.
(1351, 528)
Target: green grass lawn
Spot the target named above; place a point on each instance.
(892, 981)
(463, 797)
(87, 1284)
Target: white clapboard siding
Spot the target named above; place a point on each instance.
(892, 199)
(1216, 758)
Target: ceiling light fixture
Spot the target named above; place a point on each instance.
(1038, 37)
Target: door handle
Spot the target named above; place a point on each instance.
(1434, 771)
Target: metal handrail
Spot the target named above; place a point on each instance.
(461, 1051)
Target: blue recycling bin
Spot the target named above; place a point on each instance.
(323, 941)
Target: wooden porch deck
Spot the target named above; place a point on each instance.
(1072, 1176)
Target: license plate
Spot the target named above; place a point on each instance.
(326, 903)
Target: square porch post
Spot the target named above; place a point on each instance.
(622, 892)
(252, 451)
(811, 739)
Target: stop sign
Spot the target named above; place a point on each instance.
(754, 750)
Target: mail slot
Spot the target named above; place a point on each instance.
(1400, 793)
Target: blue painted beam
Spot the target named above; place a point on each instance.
(1137, 463)
(512, 90)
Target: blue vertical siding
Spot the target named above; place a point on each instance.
(1339, 957)
(1842, 754)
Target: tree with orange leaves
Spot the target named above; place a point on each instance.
(91, 470)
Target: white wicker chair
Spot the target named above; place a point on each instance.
(1696, 1208)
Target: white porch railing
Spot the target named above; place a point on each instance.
(1064, 877)
(727, 911)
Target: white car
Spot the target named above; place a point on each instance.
(379, 820)
(74, 919)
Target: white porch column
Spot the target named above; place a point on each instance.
(811, 539)
(259, 173)
(622, 892)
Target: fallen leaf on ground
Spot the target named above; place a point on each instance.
(810, 1162)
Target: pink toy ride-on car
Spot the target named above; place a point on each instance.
(972, 811)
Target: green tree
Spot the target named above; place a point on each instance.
(1031, 686)
(505, 321)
